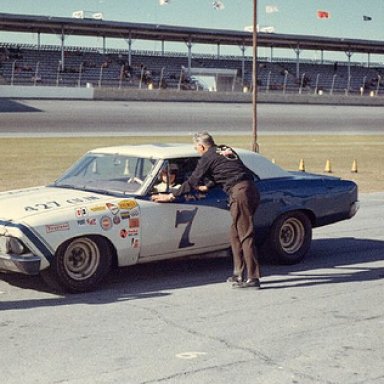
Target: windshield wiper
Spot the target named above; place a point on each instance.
(69, 186)
(103, 191)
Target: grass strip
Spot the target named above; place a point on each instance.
(38, 161)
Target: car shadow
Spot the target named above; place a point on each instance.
(11, 106)
(330, 261)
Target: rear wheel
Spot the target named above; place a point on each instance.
(79, 265)
(290, 238)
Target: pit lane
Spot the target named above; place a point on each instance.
(100, 118)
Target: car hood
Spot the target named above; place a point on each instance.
(18, 204)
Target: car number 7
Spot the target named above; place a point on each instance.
(185, 216)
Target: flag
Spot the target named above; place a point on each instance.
(271, 9)
(97, 16)
(78, 14)
(218, 5)
(367, 18)
(323, 15)
(164, 2)
(269, 29)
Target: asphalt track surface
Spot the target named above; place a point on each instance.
(74, 118)
(318, 322)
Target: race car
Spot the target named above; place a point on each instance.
(99, 214)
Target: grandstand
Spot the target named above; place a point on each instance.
(81, 66)
(30, 65)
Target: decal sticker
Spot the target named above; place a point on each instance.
(134, 212)
(123, 233)
(125, 215)
(106, 223)
(91, 221)
(116, 220)
(81, 212)
(134, 222)
(133, 232)
(135, 242)
(114, 208)
(185, 217)
(57, 227)
(98, 208)
(81, 222)
(127, 204)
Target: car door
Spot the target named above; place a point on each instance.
(196, 223)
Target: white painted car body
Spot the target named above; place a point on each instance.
(38, 225)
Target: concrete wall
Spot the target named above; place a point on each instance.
(40, 92)
(46, 92)
(236, 97)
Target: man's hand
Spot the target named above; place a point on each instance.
(202, 188)
(163, 198)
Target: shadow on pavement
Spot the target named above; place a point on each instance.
(343, 260)
(337, 257)
(10, 106)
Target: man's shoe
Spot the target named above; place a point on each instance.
(234, 279)
(254, 283)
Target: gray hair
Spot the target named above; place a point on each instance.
(203, 138)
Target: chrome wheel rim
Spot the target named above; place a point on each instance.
(81, 259)
(292, 235)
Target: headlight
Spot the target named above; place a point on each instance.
(15, 246)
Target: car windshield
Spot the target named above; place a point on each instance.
(107, 173)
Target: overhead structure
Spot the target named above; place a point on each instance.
(158, 32)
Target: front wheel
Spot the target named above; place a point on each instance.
(290, 237)
(79, 265)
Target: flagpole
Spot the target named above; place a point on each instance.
(255, 145)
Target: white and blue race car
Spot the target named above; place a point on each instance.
(99, 213)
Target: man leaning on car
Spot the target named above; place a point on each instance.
(222, 164)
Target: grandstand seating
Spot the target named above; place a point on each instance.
(29, 65)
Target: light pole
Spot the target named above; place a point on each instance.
(219, 5)
(255, 145)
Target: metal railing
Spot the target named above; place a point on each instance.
(323, 84)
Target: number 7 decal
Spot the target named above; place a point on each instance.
(185, 217)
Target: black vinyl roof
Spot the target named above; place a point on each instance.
(143, 31)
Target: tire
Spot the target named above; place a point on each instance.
(79, 265)
(290, 238)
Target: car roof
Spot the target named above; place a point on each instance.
(157, 151)
(260, 165)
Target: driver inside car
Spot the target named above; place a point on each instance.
(168, 178)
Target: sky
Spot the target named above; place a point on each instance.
(289, 16)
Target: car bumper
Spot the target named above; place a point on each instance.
(26, 264)
(354, 208)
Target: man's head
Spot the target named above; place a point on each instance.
(202, 142)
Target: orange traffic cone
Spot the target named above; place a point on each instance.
(302, 165)
(354, 166)
(328, 167)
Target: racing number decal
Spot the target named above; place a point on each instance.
(185, 216)
(55, 204)
(38, 207)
